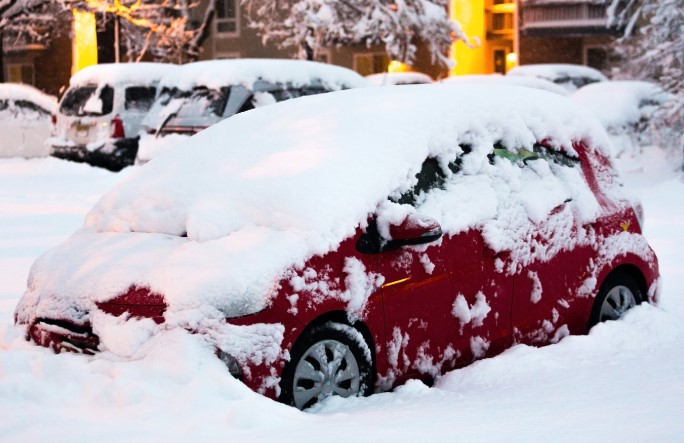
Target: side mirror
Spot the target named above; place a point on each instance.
(414, 230)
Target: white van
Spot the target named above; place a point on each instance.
(201, 94)
(99, 115)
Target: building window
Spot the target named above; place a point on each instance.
(596, 57)
(19, 73)
(374, 63)
(227, 17)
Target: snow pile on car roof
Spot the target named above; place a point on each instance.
(220, 73)
(17, 91)
(121, 73)
(530, 82)
(398, 78)
(558, 71)
(620, 103)
(217, 221)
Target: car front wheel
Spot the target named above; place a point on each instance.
(618, 294)
(330, 359)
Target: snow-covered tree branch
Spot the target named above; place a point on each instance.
(652, 48)
(310, 25)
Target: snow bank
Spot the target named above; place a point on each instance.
(220, 219)
(17, 91)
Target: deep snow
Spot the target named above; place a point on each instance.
(623, 382)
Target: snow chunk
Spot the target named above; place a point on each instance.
(536, 294)
(475, 313)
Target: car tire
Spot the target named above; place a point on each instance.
(618, 293)
(330, 359)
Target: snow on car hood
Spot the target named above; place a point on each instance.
(216, 221)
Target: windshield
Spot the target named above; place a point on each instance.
(87, 100)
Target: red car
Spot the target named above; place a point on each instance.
(341, 244)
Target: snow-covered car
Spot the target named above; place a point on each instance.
(529, 82)
(625, 108)
(568, 76)
(25, 119)
(100, 114)
(343, 243)
(204, 93)
(398, 78)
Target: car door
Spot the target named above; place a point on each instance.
(444, 304)
(546, 299)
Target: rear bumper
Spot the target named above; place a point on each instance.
(112, 155)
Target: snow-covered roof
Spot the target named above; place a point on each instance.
(530, 82)
(217, 219)
(398, 78)
(18, 91)
(219, 73)
(621, 102)
(553, 72)
(122, 73)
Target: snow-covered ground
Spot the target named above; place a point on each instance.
(622, 382)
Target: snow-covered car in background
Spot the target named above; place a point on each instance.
(398, 78)
(100, 114)
(25, 119)
(343, 243)
(202, 94)
(528, 82)
(625, 108)
(568, 76)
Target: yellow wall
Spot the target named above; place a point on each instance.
(471, 15)
(84, 41)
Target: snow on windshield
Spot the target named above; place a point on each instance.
(217, 221)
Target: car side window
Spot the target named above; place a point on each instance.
(523, 156)
(431, 176)
(139, 98)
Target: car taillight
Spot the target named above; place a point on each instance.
(53, 119)
(117, 128)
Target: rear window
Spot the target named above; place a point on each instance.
(88, 100)
(30, 110)
(139, 98)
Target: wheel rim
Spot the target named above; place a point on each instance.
(617, 302)
(326, 368)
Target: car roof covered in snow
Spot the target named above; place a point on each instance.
(122, 73)
(557, 71)
(18, 91)
(621, 102)
(398, 78)
(220, 73)
(530, 82)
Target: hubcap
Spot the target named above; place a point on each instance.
(326, 368)
(617, 302)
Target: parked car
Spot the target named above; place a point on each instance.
(204, 93)
(25, 116)
(398, 78)
(567, 76)
(626, 109)
(343, 243)
(99, 115)
(529, 82)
